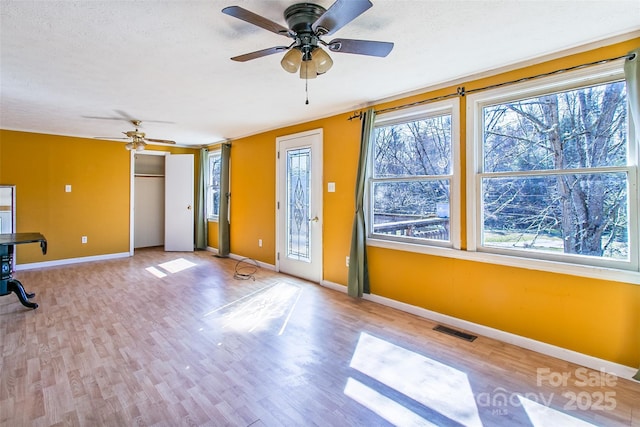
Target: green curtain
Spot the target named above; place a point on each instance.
(201, 191)
(223, 211)
(358, 269)
(632, 76)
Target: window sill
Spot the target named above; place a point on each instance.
(592, 272)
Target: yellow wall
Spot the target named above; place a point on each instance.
(97, 207)
(595, 317)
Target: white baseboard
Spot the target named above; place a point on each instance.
(58, 262)
(260, 263)
(239, 257)
(334, 286)
(595, 363)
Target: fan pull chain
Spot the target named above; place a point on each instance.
(306, 90)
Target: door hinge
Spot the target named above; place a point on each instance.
(277, 205)
(278, 256)
(278, 154)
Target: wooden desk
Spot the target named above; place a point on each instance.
(7, 283)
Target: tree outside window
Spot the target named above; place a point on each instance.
(556, 173)
(412, 178)
(213, 185)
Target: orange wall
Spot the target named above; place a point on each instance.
(97, 207)
(595, 317)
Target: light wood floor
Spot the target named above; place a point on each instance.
(114, 344)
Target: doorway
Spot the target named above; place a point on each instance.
(299, 205)
(148, 199)
(162, 201)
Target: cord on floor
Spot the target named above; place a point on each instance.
(245, 269)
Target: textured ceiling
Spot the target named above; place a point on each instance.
(63, 63)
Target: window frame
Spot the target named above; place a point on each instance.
(569, 263)
(448, 106)
(208, 187)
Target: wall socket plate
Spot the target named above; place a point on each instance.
(84, 239)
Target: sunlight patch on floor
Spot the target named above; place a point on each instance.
(435, 385)
(177, 265)
(541, 415)
(159, 274)
(261, 309)
(385, 407)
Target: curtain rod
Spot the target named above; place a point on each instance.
(460, 90)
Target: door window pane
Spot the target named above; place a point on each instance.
(298, 204)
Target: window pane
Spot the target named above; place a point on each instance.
(584, 214)
(580, 128)
(213, 186)
(418, 148)
(418, 209)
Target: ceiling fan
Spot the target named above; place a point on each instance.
(307, 24)
(138, 140)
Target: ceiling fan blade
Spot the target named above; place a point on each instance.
(110, 138)
(338, 15)
(164, 141)
(259, 53)
(252, 18)
(132, 120)
(102, 118)
(126, 117)
(360, 47)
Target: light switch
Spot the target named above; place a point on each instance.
(331, 187)
(67, 188)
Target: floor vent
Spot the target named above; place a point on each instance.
(455, 333)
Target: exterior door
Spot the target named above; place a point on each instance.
(178, 231)
(299, 205)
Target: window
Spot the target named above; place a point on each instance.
(213, 185)
(413, 189)
(552, 173)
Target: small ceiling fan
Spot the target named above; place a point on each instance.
(137, 140)
(307, 24)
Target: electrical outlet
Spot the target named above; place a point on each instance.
(84, 239)
(347, 262)
(259, 243)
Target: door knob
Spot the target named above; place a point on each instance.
(314, 219)
(189, 207)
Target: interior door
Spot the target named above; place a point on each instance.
(178, 231)
(299, 204)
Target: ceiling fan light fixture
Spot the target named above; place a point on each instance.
(130, 146)
(322, 61)
(291, 60)
(308, 70)
(140, 146)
